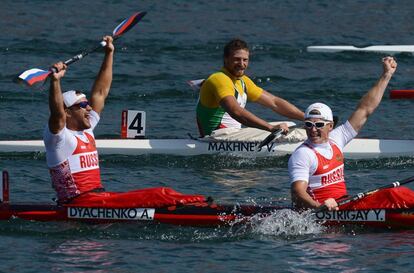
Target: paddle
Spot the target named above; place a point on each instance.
(37, 76)
(367, 193)
(273, 135)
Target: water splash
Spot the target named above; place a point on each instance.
(287, 223)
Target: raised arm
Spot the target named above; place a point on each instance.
(372, 98)
(57, 119)
(280, 106)
(103, 81)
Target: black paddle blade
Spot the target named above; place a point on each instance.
(128, 23)
(269, 138)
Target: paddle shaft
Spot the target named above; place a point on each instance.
(84, 53)
(79, 56)
(365, 194)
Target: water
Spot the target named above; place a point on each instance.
(179, 41)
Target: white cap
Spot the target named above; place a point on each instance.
(319, 110)
(70, 97)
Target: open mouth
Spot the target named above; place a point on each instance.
(239, 70)
(314, 135)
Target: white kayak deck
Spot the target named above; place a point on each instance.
(387, 49)
(358, 148)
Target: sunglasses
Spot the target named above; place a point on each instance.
(317, 124)
(82, 104)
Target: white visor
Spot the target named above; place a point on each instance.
(70, 97)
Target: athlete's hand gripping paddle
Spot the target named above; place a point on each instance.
(36, 76)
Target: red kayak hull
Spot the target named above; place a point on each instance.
(207, 213)
(202, 215)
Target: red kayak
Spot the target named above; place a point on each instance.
(402, 94)
(209, 214)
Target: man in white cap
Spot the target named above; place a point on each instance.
(69, 140)
(316, 168)
(71, 152)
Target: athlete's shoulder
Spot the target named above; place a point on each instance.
(302, 157)
(48, 135)
(217, 80)
(343, 134)
(219, 76)
(303, 151)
